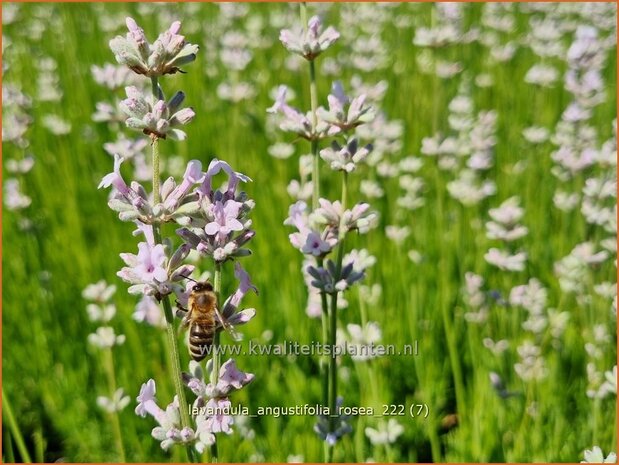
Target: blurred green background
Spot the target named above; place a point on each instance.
(51, 374)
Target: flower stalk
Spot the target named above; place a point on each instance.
(321, 229)
(216, 359)
(165, 301)
(333, 320)
(315, 196)
(7, 412)
(111, 381)
(213, 222)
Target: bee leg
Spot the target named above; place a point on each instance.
(181, 311)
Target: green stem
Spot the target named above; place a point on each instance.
(333, 322)
(303, 10)
(7, 448)
(176, 362)
(111, 381)
(16, 433)
(167, 306)
(216, 359)
(444, 303)
(325, 338)
(156, 190)
(39, 446)
(314, 108)
(434, 76)
(325, 365)
(155, 147)
(155, 88)
(314, 144)
(315, 175)
(313, 93)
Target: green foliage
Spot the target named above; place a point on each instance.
(52, 376)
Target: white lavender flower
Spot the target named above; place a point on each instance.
(311, 41)
(360, 340)
(116, 403)
(595, 455)
(505, 225)
(387, 432)
(506, 261)
(105, 337)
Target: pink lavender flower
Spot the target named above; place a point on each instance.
(107, 113)
(585, 51)
(220, 227)
(112, 76)
(315, 245)
(99, 292)
(345, 114)
(115, 179)
(174, 196)
(292, 120)
(14, 198)
(505, 225)
(21, 166)
(149, 311)
(133, 203)
(169, 431)
(164, 56)
(105, 337)
(160, 119)
(233, 302)
(230, 379)
(218, 420)
(505, 261)
(309, 239)
(126, 148)
(151, 271)
(147, 403)
(224, 219)
(347, 157)
(213, 400)
(331, 215)
(312, 41)
(116, 403)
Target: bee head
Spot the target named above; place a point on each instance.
(203, 286)
(200, 286)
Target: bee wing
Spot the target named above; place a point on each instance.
(228, 327)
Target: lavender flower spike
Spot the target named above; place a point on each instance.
(164, 56)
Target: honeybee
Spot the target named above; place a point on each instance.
(203, 319)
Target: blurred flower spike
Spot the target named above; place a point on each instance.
(311, 41)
